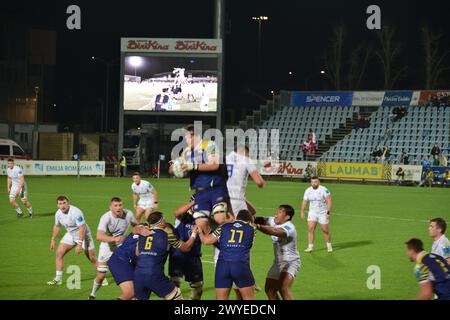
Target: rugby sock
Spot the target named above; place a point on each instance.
(59, 275)
(310, 246)
(196, 290)
(329, 247)
(30, 210)
(18, 210)
(95, 288)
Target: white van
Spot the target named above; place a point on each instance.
(10, 149)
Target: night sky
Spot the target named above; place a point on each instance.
(293, 39)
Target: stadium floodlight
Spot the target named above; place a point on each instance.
(322, 71)
(135, 62)
(259, 19)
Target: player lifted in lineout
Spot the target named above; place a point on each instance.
(78, 235)
(319, 199)
(17, 187)
(145, 197)
(111, 233)
(207, 179)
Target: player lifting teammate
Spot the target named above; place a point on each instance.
(151, 252)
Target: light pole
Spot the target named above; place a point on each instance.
(108, 65)
(135, 62)
(260, 19)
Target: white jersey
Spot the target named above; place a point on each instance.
(441, 247)
(143, 190)
(72, 220)
(285, 249)
(116, 226)
(239, 167)
(316, 198)
(14, 174)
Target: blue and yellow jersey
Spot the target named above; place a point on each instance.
(434, 268)
(235, 241)
(199, 155)
(127, 250)
(183, 229)
(153, 250)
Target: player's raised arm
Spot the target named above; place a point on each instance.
(256, 176)
(278, 232)
(181, 210)
(181, 245)
(210, 238)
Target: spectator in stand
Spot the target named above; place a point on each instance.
(312, 141)
(427, 179)
(400, 176)
(306, 148)
(398, 113)
(388, 134)
(435, 151)
(425, 163)
(386, 154)
(436, 161)
(358, 123)
(446, 178)
(309, 172)
(405, 158)
(377, 153)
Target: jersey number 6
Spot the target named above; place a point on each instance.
(148, 243)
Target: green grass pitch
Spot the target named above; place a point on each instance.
(369, 225)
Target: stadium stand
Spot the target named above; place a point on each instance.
(416, 133)
(339, 141)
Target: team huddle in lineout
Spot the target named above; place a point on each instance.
(217, 214)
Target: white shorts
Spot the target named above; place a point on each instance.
(238, 205)
(72, 238)
(105, 251)
(23, 193)
(291, 267)
(318, 217)
(145, 204)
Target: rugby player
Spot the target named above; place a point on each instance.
(319, 199)
(110, 232)
(17, 187)
(441, 244)
(151, 252)
(286, 264)
(187, 264)
(78, 235)
(235, 240)
(145, 197)
(432, 272)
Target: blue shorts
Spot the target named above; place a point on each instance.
(187, 266)
(238, 272)
(206, 199)
(122, 270)
(145, 284)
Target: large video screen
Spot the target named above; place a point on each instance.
(166, 84)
